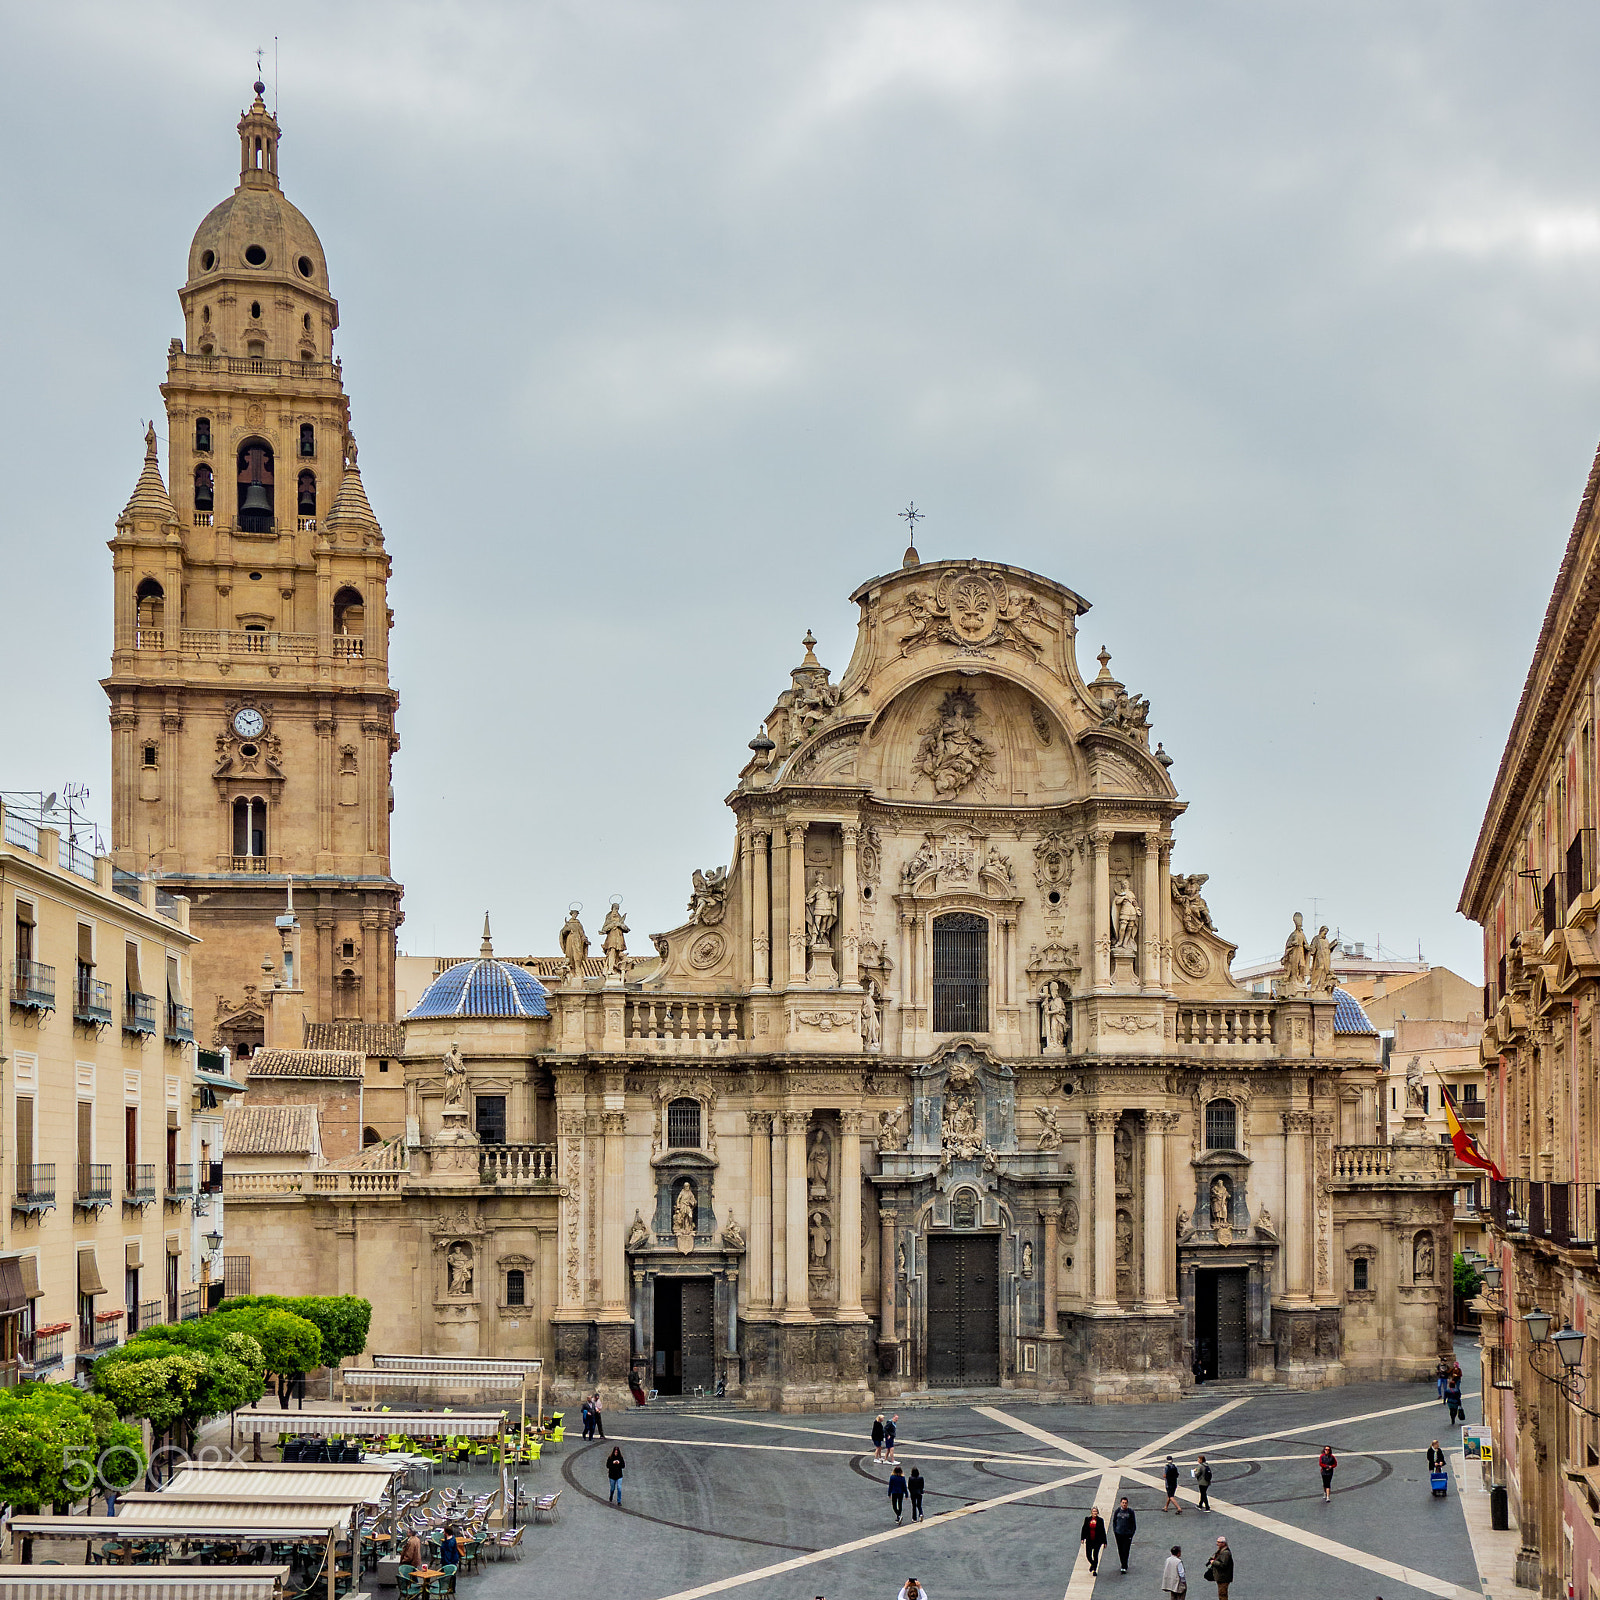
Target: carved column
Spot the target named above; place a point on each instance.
(1297, 1205)
(795, 1256)
(172, 761)
(850, 912)
(797, 905)
(1157, 1227)
(778, 884)
(1050, 1220)
(1150, 921)
(779, 1236)
(1100, 911)
(1164, 901)
(888, 1333)
(908, 988)
(1104, 1124)
(760, 1261)
(760, 918)
(849, 1234)
(613, 1261)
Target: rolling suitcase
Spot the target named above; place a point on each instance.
(1440, 1481)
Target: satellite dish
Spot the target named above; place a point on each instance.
(49, 804)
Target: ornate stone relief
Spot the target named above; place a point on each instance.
(708, 903)
(953, 756)
(1193, 912)
(976, 611)
(823, 1021)
(1052, 862)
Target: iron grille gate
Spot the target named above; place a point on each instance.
(960, 973)
(963, 1310)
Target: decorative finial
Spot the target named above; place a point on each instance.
(1162, 756)
(486, 949)
(259, 86)
(1104, 658)
(912, 517)
(150, 442)
(810, 642)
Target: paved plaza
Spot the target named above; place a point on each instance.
(795, 1506)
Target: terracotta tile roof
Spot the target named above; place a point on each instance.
(307, 1064)
(249, 1130)
(366, 1038)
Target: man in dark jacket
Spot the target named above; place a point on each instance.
(1202, 1477)
(1171, 1502)
(1093, 1535)
(1219, 1569)
(1123, 1527)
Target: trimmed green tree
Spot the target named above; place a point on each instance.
(343, 1320)
(175, 1376)
(59, 1444)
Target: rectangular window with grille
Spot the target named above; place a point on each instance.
(1222, 1125)
(683, 1125)
(516, 1287)
(489, 1118)
(960, 973)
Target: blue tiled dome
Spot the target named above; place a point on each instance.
(482, 988)
(1348, 1017)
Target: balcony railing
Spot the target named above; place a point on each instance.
(210, 1177)
(1224, 1025)
(138, 1012)
(36, 1187)
(246, 642)
(11, 1374)
(1363, 1160)
(204, 519)
(191, 1304)
(306, 524)
(1539, 1210)
(349, 645)
(180, 1185)
(47, 1351)
(107, 1330)
(256, 366)
(1550, 906)
(1580, 864)
(517, 1163)
(139, 1184)
(146, 1314)
(93, 1188)
(33, 986)
(1472, 1110)
(149, 638)
(91, 999)
(685, 1024)
(251, 864)
(22, 833)
(180, 1023)
(75, 859)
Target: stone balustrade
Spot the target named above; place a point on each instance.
(517, 1163)
(1225, 1024)
(235, 1184)
(669, 1025)
(1363, 1161)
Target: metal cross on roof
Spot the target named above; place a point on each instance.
(912, 517)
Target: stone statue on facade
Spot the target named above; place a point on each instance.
(1221, 1202)
(1027, 1259)
(963, 1138)
(1183, 1221)
(1125, 916)
(1321, 958)
(638, 1233)
(1264, 1223)
(892, 1130)
(1055, 1019)
(709, 901)
(871, 1022)
(1414, 1096)
(821, 1237)
(818, 1160)
(614, 940)
(1422, 1261)
(1296, 957)
(1050, 1129)
(458, 1269)
(685, 1211)
(822, 911)
(455, 1079)
(574, 945)
(953, 754)
(1193, 911)
(733, 1236)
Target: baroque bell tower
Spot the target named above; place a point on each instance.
(252, 719)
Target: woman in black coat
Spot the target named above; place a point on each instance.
(615, 1467)
(1093, 1535)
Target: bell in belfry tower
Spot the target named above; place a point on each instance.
(255, 488)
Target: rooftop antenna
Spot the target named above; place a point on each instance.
(274, 74)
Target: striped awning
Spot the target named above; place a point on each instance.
(148, 1522)
(381, 1378)
(299, 1481)
(453, 1366)
(142, 1583)
(13, 1292)
(326, 1422)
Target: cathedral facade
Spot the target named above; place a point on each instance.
(942, 1083)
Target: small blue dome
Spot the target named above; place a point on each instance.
(482, 988)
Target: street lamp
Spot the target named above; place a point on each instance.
(213, 1242)
(1491, 1278)
(1538, 1323)
(1569, 1342)
(1568, 1376)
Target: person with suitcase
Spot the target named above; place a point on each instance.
(1438, 1478)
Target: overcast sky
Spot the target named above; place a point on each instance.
(1272, 330)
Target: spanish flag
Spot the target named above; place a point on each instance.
(1467, 1148)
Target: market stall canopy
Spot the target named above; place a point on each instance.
(142, 1583)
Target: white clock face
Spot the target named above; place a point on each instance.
(248, 723)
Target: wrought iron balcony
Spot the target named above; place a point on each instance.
(91, 999)
(146, 1314)
(93, 1188)
(33, 985)
(107, 1330)
(180, 1185)
(36, 1187)
(47, 1351)
(138, 1012)
(210, 1177)
(190, 1305)
(139, 1184)
(180, 1023)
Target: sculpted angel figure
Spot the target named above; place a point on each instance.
(1050, 1131)
(1296, 956)
(1192, 908)
(1321, 958)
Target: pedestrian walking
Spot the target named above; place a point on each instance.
(1441, 1373)
(595, 1412)
(915, 1485)
(587, 1413)
(1452, 1400)
(911, 1589)
(1174, 1580)
(889, 1429)
(1172, 1488)
(897, 1493)
(1219, 1569)
(1093, 1535)
(1123, 1527)
(1202, 1478)
(1435, 1458)
(877, 1437)
(615, 1467)
(1326, 1462)
(449, 1548)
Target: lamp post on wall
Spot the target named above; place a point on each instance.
(1567, 1375)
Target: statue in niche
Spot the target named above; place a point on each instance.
(1321, 953)
(892, 1129)
(1050, 1129)
(871, 1024)
(953, 753)
(1070, 1220)
(818, 1160)
(1124, 1239)
(614, 940)
(1027, 1259)
(1422, 1259)
(1123, 1153)
(458, 1269)
(900, 1258)
(1125, 916)
(1193, 911)
(1296, 957)
(638, 1233)
(685, 1210)
(455, 1079)
(821, 1237)
(574, 944)
(822, 911)
(1221, 1202)
(733, 1235)
(1055, 1017)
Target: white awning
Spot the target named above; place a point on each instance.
(325, 1422)
(315, 1522)
(218, 1513)
(296, 1481)
(453, 1365)
(141, 1583)
(382, 1378)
